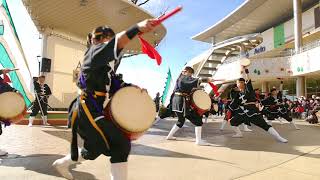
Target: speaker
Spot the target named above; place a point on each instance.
(45, 65)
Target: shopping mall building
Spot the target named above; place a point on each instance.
(281, 38)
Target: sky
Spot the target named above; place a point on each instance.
(176, 49)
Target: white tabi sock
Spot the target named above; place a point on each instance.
(174, 129)
(246, 129)
(62, 165)
(119, 171)
(237, 131)
(224, 122)
(31, 118)
(198, 133)
(276, 135)
(294, 124)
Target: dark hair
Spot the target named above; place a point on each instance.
(242, 79)
(42, 76)
(257, 89)
(102, 32)
(189, 69)
(273, 89)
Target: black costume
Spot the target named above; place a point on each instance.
(182, 90)
(156, 100)
(244, 110)
(274, 108)
(100, 135)
(43, 93)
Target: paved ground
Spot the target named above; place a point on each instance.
(256, 156)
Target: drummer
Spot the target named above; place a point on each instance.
(100, 135)
(184, 85)
(4, 87)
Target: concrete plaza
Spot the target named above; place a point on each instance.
(256, 156)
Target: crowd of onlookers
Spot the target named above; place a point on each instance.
(305, 108)
(301, 108)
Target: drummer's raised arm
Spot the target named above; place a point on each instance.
(246, 71)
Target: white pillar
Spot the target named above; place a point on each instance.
(301, 86)
(297, 24)
(301, 80)
(44, 48)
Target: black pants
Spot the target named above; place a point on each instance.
(94, 145)
(256, 120)
(192, 116)
(36, 108)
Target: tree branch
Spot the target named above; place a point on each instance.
(143, 3)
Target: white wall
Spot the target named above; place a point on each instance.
(65, 56)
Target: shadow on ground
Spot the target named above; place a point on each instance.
(41, 163)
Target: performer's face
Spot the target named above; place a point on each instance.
(102, 40)
(41, 80)
(241, 85)
(274, 93)
(186, 73)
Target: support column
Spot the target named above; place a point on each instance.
(301, 86)
(44, 49)
(297, 25)
(265, 87)
(301, 80)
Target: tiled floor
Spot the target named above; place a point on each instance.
(256, 156)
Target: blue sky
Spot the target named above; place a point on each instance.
(176, 49)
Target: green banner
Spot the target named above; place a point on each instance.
(5, 5)
(166, 88)
(6, 62)
(278, 36)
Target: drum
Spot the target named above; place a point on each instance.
(200, 101)
(132, 110)
(245, 62)
(12, 107)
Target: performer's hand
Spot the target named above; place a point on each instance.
(144, 90)
(146, 25)
(5, 71)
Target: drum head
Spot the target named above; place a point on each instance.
(132, 109)
(245, 62)
(201, 99)
(11, 105)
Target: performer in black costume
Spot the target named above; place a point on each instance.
(43, 92)
(101, 136)
(246, 111)
(274, 106)
(229, 113)
(184, 85)
(4, 87)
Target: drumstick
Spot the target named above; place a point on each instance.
(14, 69)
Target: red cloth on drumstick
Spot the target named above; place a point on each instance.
(214, 88)
(146, 48)
(6, 78)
